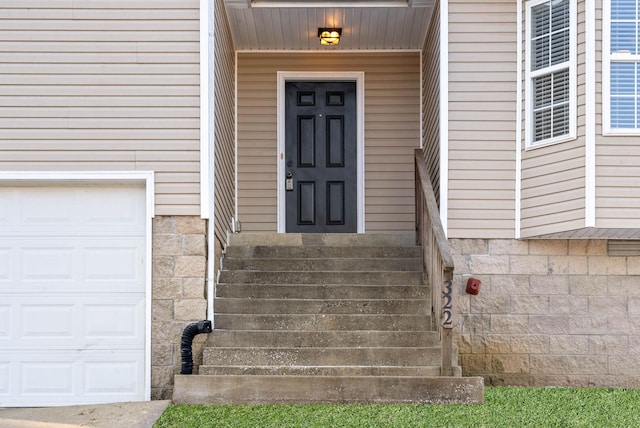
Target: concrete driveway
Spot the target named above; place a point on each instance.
(136, 414)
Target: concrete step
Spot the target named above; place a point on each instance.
(322, 291)
(322, 252)
(322, 322)
(318, 339)
(322, 356)
(314, 318)
(253, 389)
(425, 371)
(331, 239)
(333, 277)
(324, 264)
(322, 306)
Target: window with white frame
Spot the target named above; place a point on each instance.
(550, 72)
(621, 67)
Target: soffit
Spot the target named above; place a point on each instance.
(293, 25)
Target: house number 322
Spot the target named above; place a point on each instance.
(447, 313)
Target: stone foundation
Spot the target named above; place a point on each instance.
(178, 297)
(549, 313)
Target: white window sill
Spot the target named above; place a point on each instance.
(550, 142)
(625, 132)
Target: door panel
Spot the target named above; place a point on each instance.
(306, 203)
(321, 157)
(306, 141)
(335, 203)
(335, 141)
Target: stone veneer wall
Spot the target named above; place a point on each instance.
(549, 313)
(179, 295)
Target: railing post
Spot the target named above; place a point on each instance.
(437, 261)
(446, 331)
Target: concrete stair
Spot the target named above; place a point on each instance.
(308, 318)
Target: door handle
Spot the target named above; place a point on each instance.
(289, 181)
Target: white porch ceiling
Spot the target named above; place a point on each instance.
(293, 25)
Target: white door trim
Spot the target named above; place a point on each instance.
(121, 177)
(320, 76)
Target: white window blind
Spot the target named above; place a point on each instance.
(550, 28)
(550, 71)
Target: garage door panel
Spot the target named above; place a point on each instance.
(48, 321)
(47, 263)
(80, 264)
(107, 324)
(7, 204)
(125, 267)
(59, 375)
(111, 377)
(118, 210)
(5, 380)
(5, 263)
(78, 376)
(42, 208)
(52, 322)
(72, 210)
(5, 321)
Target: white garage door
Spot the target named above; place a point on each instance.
(72, 294)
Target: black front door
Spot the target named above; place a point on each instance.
(321, 157)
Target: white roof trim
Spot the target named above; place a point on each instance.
(329, 3)
(332, 52)
(355, 3)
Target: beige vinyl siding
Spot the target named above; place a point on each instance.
(553, 189)
(482, 119)
(553, 177)
(431, 100)
(103, 85)
(392, 121)
(224, 81)
(617, 182)
(617, 164)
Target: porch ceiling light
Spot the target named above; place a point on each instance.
(329, 36)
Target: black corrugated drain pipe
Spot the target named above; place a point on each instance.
(188, 334)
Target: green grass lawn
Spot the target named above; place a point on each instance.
(503, 407)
